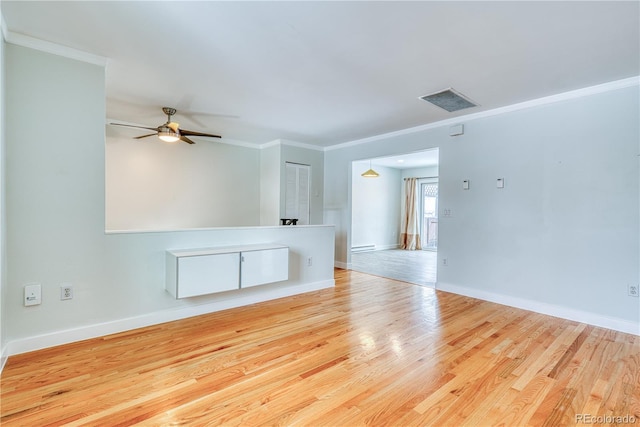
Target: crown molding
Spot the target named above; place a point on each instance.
(49, 47)
(301, 145)
(276, 142)
(579, 93)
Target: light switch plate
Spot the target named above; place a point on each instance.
(500, 183)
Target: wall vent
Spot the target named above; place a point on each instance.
(449, 100)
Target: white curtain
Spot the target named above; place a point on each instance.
(410, 233)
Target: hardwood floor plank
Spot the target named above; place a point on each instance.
(371, 351)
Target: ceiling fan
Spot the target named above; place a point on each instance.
(169, 131)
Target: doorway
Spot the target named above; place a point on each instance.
(377, 208)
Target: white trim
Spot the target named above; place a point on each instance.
(276, 142)
(101, 329)
(3, 358)
(579, 93)
(54, 48)
(247, 227)
(363, 248)
(301, 145)
(387, 247)
(237, 143)
(342, 265)
(562, 312)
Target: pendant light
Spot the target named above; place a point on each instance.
(370, 173)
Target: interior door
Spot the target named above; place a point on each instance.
(297, 197)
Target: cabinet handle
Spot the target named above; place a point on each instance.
(242, 258)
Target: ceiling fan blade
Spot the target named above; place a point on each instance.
(185, 139)
(192, 133)
(134, 126)
(144, 136)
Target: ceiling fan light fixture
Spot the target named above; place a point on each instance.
(169, 131)
(168, 135)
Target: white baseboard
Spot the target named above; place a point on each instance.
(3, 358)
(371, 248)
(387, 247)
(342, 265)
(52, 339)
(562, 312)
(363, 248)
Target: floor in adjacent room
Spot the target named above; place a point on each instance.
(419, 267)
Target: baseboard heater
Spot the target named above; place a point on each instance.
(363, 248)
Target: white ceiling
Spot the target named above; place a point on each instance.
(330, 72)
(416, 159)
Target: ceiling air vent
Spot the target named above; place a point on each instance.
(449, 100)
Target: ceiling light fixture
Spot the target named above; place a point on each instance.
(167, 134)
(370, 173)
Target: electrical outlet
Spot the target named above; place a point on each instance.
(309, 261)
(445, 262)
(632, 290)
(66, 292)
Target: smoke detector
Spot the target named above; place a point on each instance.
(449, 100)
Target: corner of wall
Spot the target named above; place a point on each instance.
(3, 263)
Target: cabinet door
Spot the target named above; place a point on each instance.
(206, 274)
(264, 266)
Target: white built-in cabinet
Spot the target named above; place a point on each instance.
(194, 272)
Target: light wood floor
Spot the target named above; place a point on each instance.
(419, 267)
(372, 351)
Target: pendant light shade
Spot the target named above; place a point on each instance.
(370, 173)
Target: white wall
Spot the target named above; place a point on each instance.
(562, 235)
(376, 203)
(153, 185)
(429, 171)
(270, 167)
(56, 215)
